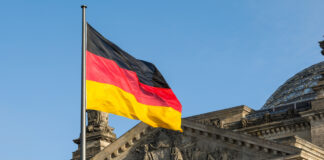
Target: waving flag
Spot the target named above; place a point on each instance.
(120, 84)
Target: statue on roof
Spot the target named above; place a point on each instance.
(321, 43)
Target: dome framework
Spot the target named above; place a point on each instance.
(297, 88)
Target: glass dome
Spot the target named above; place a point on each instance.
(296, 89)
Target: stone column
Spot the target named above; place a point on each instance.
(99, 134)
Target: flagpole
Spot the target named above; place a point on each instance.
(83, 87)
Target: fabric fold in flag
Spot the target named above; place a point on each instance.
(120, 84)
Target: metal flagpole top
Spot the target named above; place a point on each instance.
(83, 6)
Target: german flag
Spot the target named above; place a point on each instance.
(120, 84)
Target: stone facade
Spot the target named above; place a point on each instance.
(290, 126)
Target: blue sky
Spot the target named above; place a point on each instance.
(214, 54)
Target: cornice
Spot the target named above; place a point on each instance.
(237, 139)
(222, 113)
(276, 128)
(313, 115)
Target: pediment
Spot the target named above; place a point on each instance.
(197, 140)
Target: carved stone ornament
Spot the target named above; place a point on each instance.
(244, 122)
(172, 146)
(217, 123)
(98, 121)
(176, 153)
(148, 155)
(213, 122)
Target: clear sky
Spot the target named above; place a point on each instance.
(214, 54)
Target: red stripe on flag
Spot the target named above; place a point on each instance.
(107, 71)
